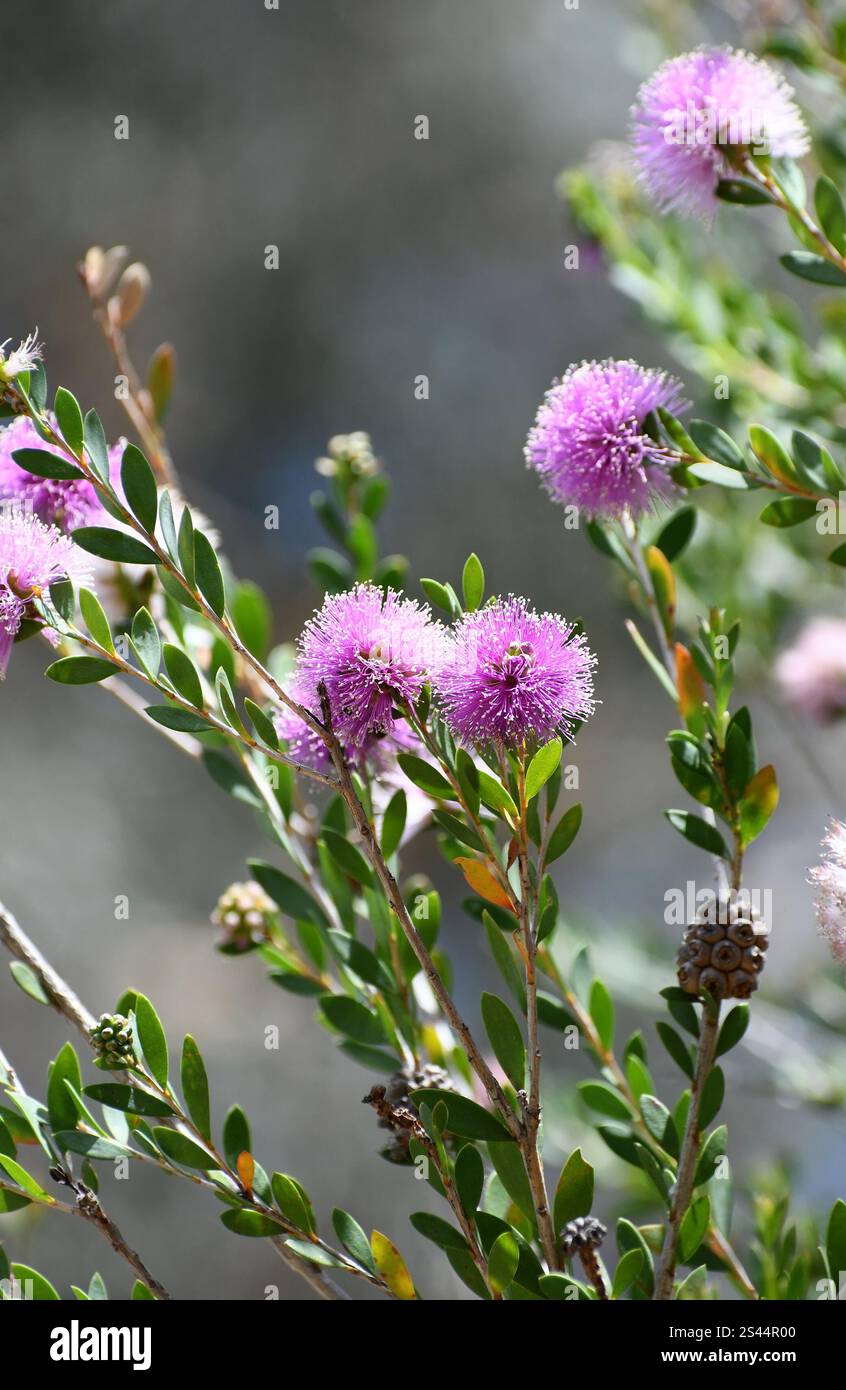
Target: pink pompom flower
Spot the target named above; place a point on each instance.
(812, 673)
(371, 649)
(700, 110)
(32, 557)
(66, 504)
(513, 676)
(589, 445)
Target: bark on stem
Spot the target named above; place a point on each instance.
(689, 1156)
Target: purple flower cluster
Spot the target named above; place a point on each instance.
(63, 504)
(812, 673)
(698, 108)
(589, 445)
(32, 557)
(511, 675)
(371, 650)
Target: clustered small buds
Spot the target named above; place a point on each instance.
(722, 952)
(244, 912)
(397, 1112)
(349, 453)
(112, 1038)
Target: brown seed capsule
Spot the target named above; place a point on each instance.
(742, 984)
(714, 981)
(725, 955)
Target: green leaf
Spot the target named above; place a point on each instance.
(231, 778)
(146, 641)
(183, 673)
(353, 1238)
(393, 822)
(349, 858)
(733, 1028)
(496, 797)
(675, 535)
(209, 576)
(718, 446)
(27, 980)
(464, 1116)
(505, 1038)
(713, 1150)
(788, 511)
(817, 269)
(835, 1240)
(713, 1093)
(289, 1198)
(69, 416)
(139, 487)
(262, 724)
(694, 1227)
(604, 1099)
(832, 218)
(473, 583)
(39, 1288)
(110, 544)
(542, 766)
(195, 1086)
(151, 1035)
(601, 1009)
(182, 1150)
(627, 1271)
(45, 465)
(253, 618)
(249, 1223)
(443, 596)
(720, 475)
(511, 1171)
(185, 546)
(630, 1238)
(698, 832)
(423, 775)
(60, 1106)
(132, 1099)
(352, 1018)
(739, 191)
(760, 799)
(141, 1294)
(95, 443)
(95, 619)
(236, 1135)
(80, 670)
(290, 896)
(503, 1260)
(469, 1175)
(574, 1191)
(564, 834)
(91, 1146)
(25, 1182)
(676, 1046)
(439, 1231)
(181, 720)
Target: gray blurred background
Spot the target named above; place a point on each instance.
(397, 257)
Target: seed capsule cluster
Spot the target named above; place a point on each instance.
(112, 1037)
(723, 951)
(584, 1233)
(397, 1094)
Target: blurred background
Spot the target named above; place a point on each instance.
(397, 257)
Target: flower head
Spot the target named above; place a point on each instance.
(64, 504)
(370, 649)
(32, 557)
(812, 673)
(829, 879)
(589, 444)
(23, 359)
(696, 110)
(512, 675)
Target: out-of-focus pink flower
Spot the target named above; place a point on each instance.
(829, 879)
(812, 673)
